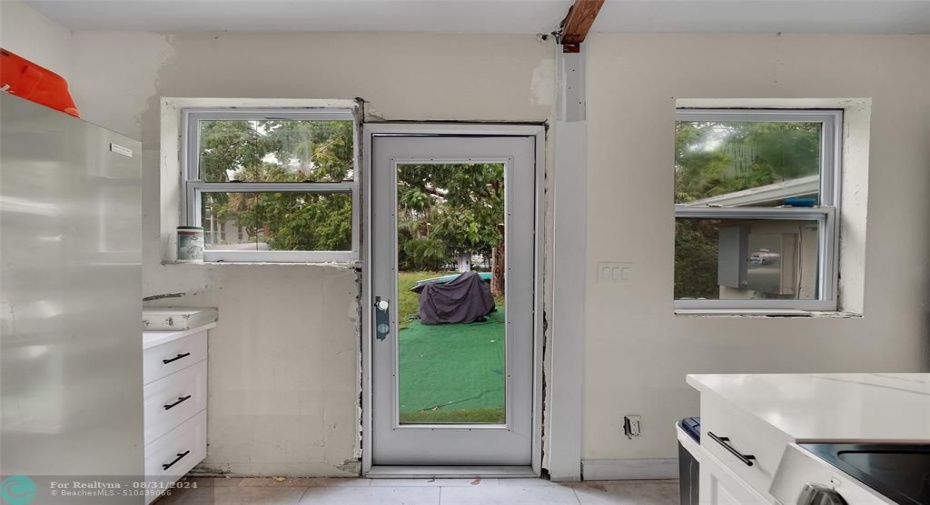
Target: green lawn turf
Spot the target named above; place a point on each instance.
(452, 372)
(492, 415)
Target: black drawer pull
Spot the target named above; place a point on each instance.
(179, 458)
(181, 400)
(179, 356)
(725, 442)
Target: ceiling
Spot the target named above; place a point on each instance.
(491, 16)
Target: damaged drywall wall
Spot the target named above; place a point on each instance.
(636, 349)
(282, 369)
(284, 359)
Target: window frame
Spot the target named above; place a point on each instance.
(826, 214)
(193, 186)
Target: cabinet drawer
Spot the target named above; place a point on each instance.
(179, 449)
(174, 399)
(180, 353)
(739, 436)
(720, 486)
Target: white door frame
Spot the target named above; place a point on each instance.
(443, 129)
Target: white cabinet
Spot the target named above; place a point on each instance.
(171, 400)
(753, 430)
(169, 357)
(726, 493)
(739, 454)
(175, 405)
(721, 486)
(743, 444)
(173, 455)
(719, 482)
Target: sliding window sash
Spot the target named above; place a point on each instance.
(831, 133)
(194, 187)
(825, 217)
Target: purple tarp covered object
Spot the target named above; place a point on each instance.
(464, 300)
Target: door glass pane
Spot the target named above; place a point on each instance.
(746, 259)
(757, 164)
(451, 303)
(276, 151)
(290, 221)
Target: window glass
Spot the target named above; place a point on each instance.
(743, 163)
(746, 259)
(271, 150)
(450, 219)
(286, 221)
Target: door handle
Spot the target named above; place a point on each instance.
(382, 318)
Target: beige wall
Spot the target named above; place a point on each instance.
(637, 351)
(35, 37)
(284, 359)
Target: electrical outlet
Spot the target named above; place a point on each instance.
(632, 426)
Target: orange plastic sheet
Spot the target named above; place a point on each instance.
(23, 78)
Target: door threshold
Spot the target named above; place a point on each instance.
(450, 472)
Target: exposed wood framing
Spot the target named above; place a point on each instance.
(577, 22)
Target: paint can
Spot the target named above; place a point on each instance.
(190, 244)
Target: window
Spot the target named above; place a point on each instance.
(756, 209)
(275, 185)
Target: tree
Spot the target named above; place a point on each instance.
(446, 210)
(714, 158)
(695, 259)
(282, 151)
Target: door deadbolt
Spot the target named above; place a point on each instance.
(382, 318)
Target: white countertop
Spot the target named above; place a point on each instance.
(836, 407)
(153, 338)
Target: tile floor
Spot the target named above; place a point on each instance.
(295, 491)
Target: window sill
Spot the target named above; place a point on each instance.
(769, 313)
(213, 264)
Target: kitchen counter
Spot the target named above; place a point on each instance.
(755, 430)
(153, 338)
(830, 407)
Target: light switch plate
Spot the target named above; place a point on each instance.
(613, 272)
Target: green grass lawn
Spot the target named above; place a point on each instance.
(490, 415)
(452, 373)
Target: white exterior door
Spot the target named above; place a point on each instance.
(454, 366)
